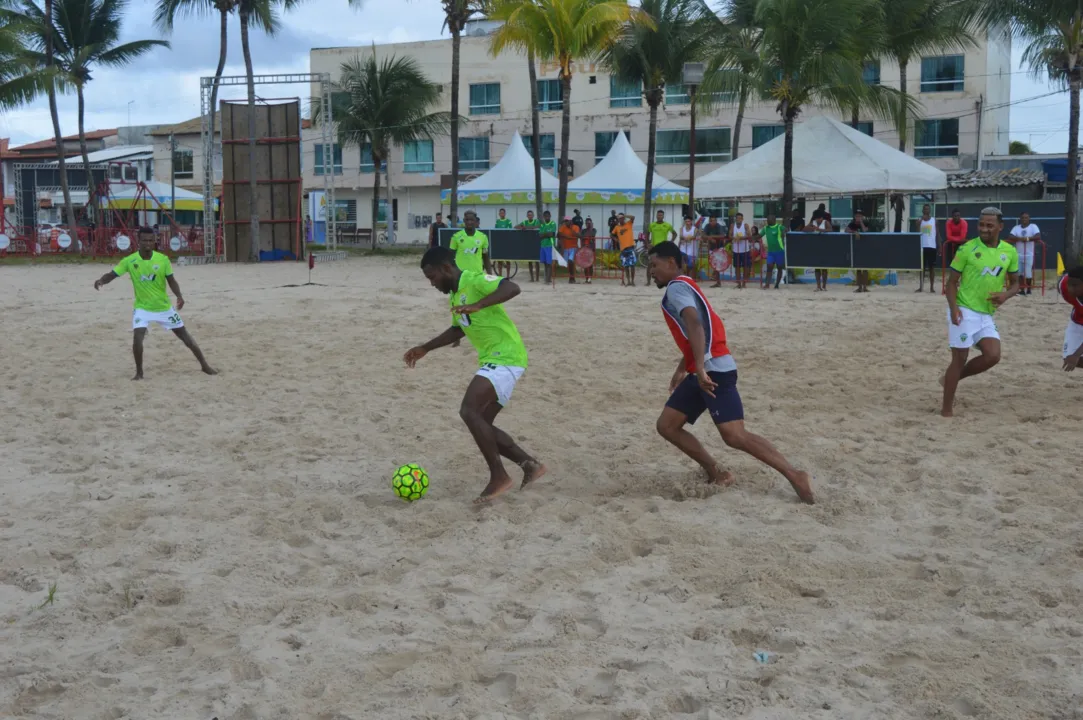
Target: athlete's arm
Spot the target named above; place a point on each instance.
(678, 375)
(486, 263)
(444, 339)
(175, 287)
(505, 291)
(105, 279)
(698, 340)
(952, 291)
(999, 298)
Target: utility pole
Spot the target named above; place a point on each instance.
(173, 175)
(692, 77)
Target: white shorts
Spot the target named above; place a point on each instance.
(1073, 338)
(974, 328)
(169, 319)
(1026, 258)
(503, 378)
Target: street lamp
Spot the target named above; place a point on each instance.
(692, 77)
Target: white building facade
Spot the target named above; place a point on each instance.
(964, 98)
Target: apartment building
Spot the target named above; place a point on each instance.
(183, 160)
(964, 98)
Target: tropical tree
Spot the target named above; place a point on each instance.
(85, 33)
(535, 131)
(456, 14)
(382, 103)
(811, 53)
(733, 67)
(1052, 32)
(562, 31)
(653, 54)
(21, 80)
(1018, 147)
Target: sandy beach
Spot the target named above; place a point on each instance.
(230, 546)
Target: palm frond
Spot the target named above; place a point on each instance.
(127, 53)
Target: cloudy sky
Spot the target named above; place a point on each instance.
(164, 86)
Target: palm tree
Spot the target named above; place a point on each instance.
(85, 33)
(535, 131)
(381, 103)
(733, 69)
(561, 31)
(456, 14)
(654, 55)
(811, 53)
(1053, 33)
(21, 80)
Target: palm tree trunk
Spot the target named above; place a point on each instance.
(390, 202)
(565, 134)
(787, 164)
(741, 104)
(535, 133)
(1072, 243)
(900, 125)
(653, 99)
(253, 186)
(378, 163)
(91, 209)
(54, 113)
(854, 117)
(456, 41)
(223, 42)
(692, 155)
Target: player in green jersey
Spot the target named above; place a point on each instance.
(975, 290)
(503, 223)
(531, 223)
(774, 235)
(477, 313)
(660, 231)
(471, 245)
(150, 272)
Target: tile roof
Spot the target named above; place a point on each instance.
(50, 144)
(194, 126)
(995, 178)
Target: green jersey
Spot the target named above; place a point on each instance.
(549, 227)
(660, 232)
(490, 331)
(773, 234)
(148, 280)
(503, 223)
(984, 271)
(531, 223)
(469, 249)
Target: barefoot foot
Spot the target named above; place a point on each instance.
(532, 470)
(718, 476)
(802, 484)
(209, 370)
(138, 375)
(496, 486)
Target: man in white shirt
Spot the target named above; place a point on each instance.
(1025, 235)
(927, 228)
(742, 249)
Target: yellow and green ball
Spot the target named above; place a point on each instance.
(410, 482)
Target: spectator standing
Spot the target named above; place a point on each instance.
(714, 234)
(927, 228)
(857, 225)
(503, 223)
(740, 240)
(1025, 235)
(531, 223)
(820, 224)
(434, 230)
(955, 235)
(689, 245)
(588, 239)
(612, 224)
(568, 233)
(548, 232)
(624, 231)
(577, 219)
(773, 235)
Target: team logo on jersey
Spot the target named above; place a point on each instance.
(963, 337)
(977, 255)
(147, 278)
(1003, 258)
(995, 272)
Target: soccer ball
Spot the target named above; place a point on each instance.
(410, 482)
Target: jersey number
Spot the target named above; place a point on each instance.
(174, 318)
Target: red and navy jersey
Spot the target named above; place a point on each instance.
(714, 332)
(1076, 303)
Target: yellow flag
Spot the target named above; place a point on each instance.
(1060, 265)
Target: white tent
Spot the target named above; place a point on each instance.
(829, 158)
(511, 180)
(620, 177)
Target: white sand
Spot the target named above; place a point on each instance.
(230, 547)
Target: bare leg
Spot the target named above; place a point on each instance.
(778, 276)
(479, 395)
(960, 369)
(533, 469)
(137, 351)
(734, 434)
(670, 425)
(190, 342)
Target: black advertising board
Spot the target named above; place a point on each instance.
(846, 251)
(504, 244)
(826, 251)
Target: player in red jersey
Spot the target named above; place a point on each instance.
(706, 378)
(1071, 289)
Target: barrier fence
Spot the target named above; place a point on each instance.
(103, 241)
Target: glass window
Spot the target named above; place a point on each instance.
(677, 94)
(942, 74)
(712, 145)
(183, 164)
(763, 134)
(550, 95)
(319, 167)
(417, 156)
(474, 153)
(841, 209)
(114, 172)
(917, 203)
(760, 208)
(870, 73)
(865, 127)
(603, 143)
(367, 165)
(623, 95)
(936, 138)
(547, 144)
(485, 99)
(131, 173)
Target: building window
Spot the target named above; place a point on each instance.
(870, 73)
(603, 143)
(865, 127)
(417, 156)
(182, 164)
(474, 153)
(319, 167)
(547, 144)
(763, 134)
(761, 208)
(677, 94)
(485, 99)
(550, 95)
(131, 173)
(114, 172)
(942, 74)
(367, 165)
(936, 138)
(712, 145)
(625, 94)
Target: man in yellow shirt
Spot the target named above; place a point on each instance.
(150, 272)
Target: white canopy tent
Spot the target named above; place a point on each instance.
(829, 159)
(621, 175)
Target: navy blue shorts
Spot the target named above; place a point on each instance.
(742, 260)
(724, 407)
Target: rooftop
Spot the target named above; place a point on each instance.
(120, 152)
(50, 144)
(995, 178)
